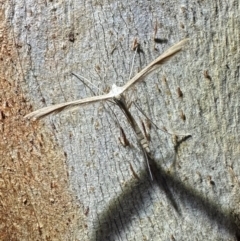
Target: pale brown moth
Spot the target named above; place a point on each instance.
(116, 91)
(116, 94)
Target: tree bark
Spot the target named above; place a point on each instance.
(67, 176)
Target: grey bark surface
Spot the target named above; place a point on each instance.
(94, 39)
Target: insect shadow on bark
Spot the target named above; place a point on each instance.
(116, 218)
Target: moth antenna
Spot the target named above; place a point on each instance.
(80, 77)
(136, 49)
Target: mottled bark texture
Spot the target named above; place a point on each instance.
(68, 177)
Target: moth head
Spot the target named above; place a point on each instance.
(116, 90)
